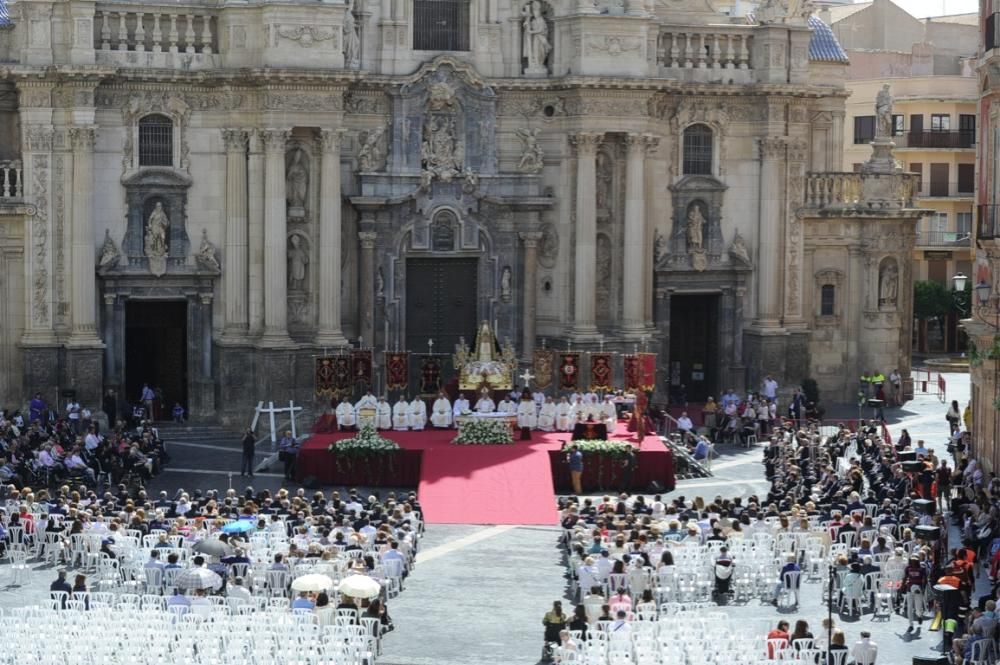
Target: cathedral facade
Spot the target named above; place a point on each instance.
(206, 198)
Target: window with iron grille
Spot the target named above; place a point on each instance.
(827, 300)
(698, 150)
(156, 141)
(864, 129)
(441, 25)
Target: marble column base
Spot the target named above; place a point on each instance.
(584, 333)
(331, 339)
(275, 340)
(40, 372)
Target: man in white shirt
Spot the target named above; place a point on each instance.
(418, 414)
(620, 629)
(507, 405)
(74, 462)
(383, 414)
(864, 651)
(769, 387)
(485, 403)
(461, 405)
(92, 440)
(547, 416)
(539, 398)
(441, 412)
(73, 413)
(237, 591)
(685, 426)
(401, 415)
(345, 415)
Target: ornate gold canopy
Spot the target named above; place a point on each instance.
(484, 367)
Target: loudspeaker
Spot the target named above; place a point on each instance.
(311, 483)
(926, 506)
(908, 456)
(913, 467)
(928, 532)
(930, 660)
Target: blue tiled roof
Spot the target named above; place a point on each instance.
(823, 46)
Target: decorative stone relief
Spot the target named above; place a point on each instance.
(660, 249)
(352, 41)
(531, 153)
(168, 104)
(156, 242)
(613, 45)
(306, 35)
(298, 262)
(40, 238)
(110, 255)
(297, 184)
(604, 269)
(536, 44)
(372, 155)
(888, 285)
(207, 256)
(696, 237)
(221, 99)
(738, 251)
(605, 180)
(548, 248)
(59, 225)
(506, 291)
(302, 101)
(366, 102)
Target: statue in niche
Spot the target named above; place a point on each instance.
(206, 257)
(352, 42)
(531, 152)
(536, 46)
(110, 256)
(738, 250)
(371, 156)
(888, 285)
(441, 150)
(380, 284)
(297, 185)
(883, 113)
(156, 232)
(505, 288)
(298, 262)
(604, 177)
(695, 228)
(659, 247)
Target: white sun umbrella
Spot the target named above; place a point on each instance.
(198, 578)
(312, 582)
(359, 586)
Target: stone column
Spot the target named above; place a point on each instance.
(109, 338)
(206, 336)
(634, 254)
(530, 240)
(255, 240)
(329, 332)
(770, 256)
(84, 278)
(275, 241)
(366, 284)
(234, 273)
(585, 277)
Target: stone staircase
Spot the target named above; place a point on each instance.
(207, 446)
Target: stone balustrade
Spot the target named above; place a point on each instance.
(704, 47)
(870, 191)
(143, 28)
(825, 190)
(10, 181)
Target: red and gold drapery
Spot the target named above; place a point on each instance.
(397, 370)
(430, 375)
(361, 367)
(541, 366)
(601, 374)
(633, 373)
(647, 368)
(325, 378)
(569, 371)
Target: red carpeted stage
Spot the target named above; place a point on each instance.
(512, 484)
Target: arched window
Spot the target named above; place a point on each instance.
(827, 300)
(156, 141)
(698, 150)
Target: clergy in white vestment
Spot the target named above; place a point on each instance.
(575, 397)
(401, 415)
(461, 405)
(366, 402)
(547, 416)
(590, 397)
(345, 415)
(609, 414)
(485, 404)
(418, 414)
(507, 405)
(526, 415)
(564, 415)
(383, 414)
(441, 411)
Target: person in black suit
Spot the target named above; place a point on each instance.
(60, 584)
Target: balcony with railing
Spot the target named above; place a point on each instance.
(146, 35)
(931, 235)
(942, 189)
(953, 140)
(703, 49)
(10, 181)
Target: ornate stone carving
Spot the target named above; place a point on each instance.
(888, 285)
(39, 139)
(35, 97)
(783, 11)
(585, 143)
(156, 244)
(883, 112)
(59, 225)
(235, 140)
(695, 230)
(614, 45)
(207, 256)
(506, 291)
(298, 262)
(83, 137)
(366, 102)
(443, 149)
(531, 153)
(222, 99)
(548, 249)
(659, 247)
(605, 175)
(352, 41)
(738, 251)
(535, 40)
(772, 147)
(367, 239)
(302, 101)
(531, 239)
(110, 255)
(372, 155)
(40, 240)
(297, 184)
(603, 280)
(274, 140)
(306, 35)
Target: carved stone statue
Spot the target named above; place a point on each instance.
(738, 250)
(888, 285)
(297, 185)
(442, 149)
(110, 256)
(531, 153)
(695, 228)
(371, 157)
(505, 290)
(352, 42)
(535, 46)
(379, 284)
(471, 180)
(298, 262)
(205, 258)
(659, 247)
(156, 232)
(883, 113)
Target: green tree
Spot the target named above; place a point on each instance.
(931, 301)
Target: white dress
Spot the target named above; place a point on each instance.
(345, 415)
(526, 414)
(441, 412)
(383, 416)
(401, 415)
(418, 414)
(547, 417)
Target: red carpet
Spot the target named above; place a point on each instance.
(478, 484)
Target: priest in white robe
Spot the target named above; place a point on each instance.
(365, 403)
(441, 413)
(383, 414)
(507, 405)
(564, 415)
(401, 415)
(461, 405)
(526, 415)
(485, 404)
(418, 414)
(345, 415)
(609, 414)
(547, 416)
(539, 397)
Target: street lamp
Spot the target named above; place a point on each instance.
(983, 292)
(959, 281)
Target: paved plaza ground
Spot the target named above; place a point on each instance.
(478, 593)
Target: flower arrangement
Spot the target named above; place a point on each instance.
(610, 458)
(614, 449)
(367, 447)
(484, 432)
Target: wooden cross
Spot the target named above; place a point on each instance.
(527, 376)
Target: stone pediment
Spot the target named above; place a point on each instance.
(456, 70)
(701, 183)
(156, 176)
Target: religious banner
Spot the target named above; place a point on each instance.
(541, 365)
(601, 376)
(647, 371)
(633, 373)
(397, 370)
(569, 370)
(430, 375)
(361, 367)
(326, 380)
(341, 370)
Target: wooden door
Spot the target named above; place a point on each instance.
(441, 297)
